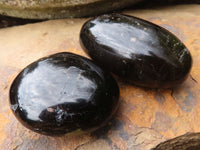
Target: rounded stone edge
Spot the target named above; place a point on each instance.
(65, 11)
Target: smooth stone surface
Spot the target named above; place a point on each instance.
(52, 9)
(137, 50)
(63, 93)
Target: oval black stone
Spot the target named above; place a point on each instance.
(63, 93)
(137, 50)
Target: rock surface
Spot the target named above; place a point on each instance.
(145, 117)
(48, 9)
(136, 50)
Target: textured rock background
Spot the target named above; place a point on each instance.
(145, 117)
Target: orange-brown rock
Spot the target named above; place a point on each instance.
(145, 117)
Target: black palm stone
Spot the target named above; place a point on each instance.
(136, 50)
(63, 93)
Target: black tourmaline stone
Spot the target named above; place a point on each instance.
(63, 93)
(137, 50)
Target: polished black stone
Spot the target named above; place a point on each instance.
(139, 51)
(63, 93)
